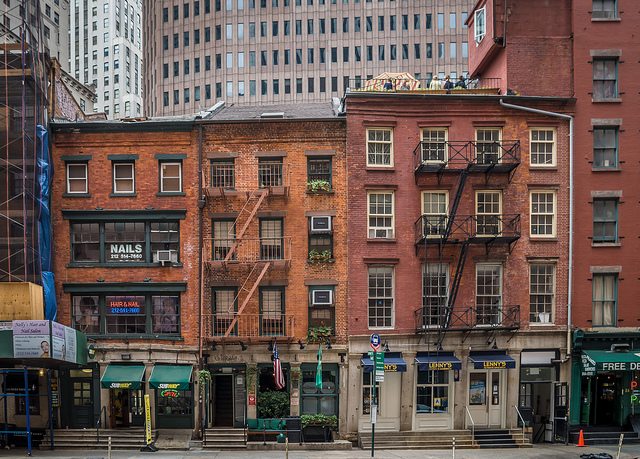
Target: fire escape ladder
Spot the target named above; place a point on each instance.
(250, 292)
(455, 285)
(247, 215)
(462, 179)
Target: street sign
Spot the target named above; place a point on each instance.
(374, 414)
(379, 367)
(375, 341)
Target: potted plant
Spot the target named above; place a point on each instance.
(320, 257)
(273, 404)
(318, 186)
(318, 427)
(319, 335)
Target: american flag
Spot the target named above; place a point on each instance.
(277, 369)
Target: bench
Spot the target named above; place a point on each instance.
(269, 425)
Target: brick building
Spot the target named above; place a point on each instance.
(458, 257)
(125, 260)
(594, 57)
(274, 258)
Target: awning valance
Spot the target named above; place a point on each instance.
(122, 377)
(171, 377)
(393, 361)
(492, 360)
(609, 361)
(438, 361)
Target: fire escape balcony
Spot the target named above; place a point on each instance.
(276, 250)
(220, 179)
(476, 318)
(234, 326)
(478, 229)
(453, 156)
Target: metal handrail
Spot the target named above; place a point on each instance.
(473, 426)
(99, 422)
(521, 420)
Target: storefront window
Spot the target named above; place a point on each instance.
(314, 399)
(174, 402)
(165, 314)
(433, 392)
(367, 392)
(124, 241)
(477, 388)
(125, 314)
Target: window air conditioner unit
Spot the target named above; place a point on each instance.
(322, 297)
(320, 224)
(382, 233)
(166, 256)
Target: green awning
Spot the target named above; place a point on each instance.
(170, 377)
(122, 377)
(593, 361)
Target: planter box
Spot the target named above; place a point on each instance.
(317, 434)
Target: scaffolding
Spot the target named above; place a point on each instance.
(23, 142)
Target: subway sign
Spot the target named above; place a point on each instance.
(120, 385)
(168, 386)
(170, 393)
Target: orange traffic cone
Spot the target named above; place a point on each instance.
(581, 439)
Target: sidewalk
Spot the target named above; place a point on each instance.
(539, 451)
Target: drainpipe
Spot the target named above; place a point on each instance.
(569, 281)
(200, 293)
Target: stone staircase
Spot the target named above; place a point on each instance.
(131, 438)
(443, 439)
(224, 438)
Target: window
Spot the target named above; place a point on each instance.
(435, 209)
(488, 294)
(380, 147)
(380, 214)
(321, 242)
(271, 239)
(440, 20)
(224, 305)
(367, 392)
(604, 295)
(319, 170)
(381, 296)
(543, 214)
(432, 391)
(452, 20)
(170, 177)
(488, 213)
(479, 24)
(224, 235)
(317, 400)
(123, 241)
(605, 78)
(435, 293)
(541, 292)
(542, 146)
(15, 383)
(488, 145)
(604, 9)
(127, 314)
(321, 307)
(272, 308)
(434, 145)
(77, 179)
(605, 220)
(605, 147)
(123, 178)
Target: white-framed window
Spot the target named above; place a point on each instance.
(542, 146)
(488, 294)
(542, 213)
(479, 24)
(542, 287)
(381, 294)
(170, 177)
(432, 391)
(605, 296)
(488, 145)
(435, 293)
(434, 145)
(488, 212)
(380, 147)
(77, 178)
(123, 178)
(435, 209)
(380, 214)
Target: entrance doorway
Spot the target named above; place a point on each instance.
(81, 383)
(606, 395)
(222, 396)
(119, 408)
(536, 407)
(487, 397)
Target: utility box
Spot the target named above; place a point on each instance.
(21, 301)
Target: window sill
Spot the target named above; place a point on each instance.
(329, 192)
(606, 244)
(606, 169)
(76, 195)
(121, 265)
(123, 195)
(542, 239)
(381, 240)
(543, 168)
(542, 324)
(600, 101)
(606, 19)
(321, 261)
(380, 169)
(121, 337)
(171, 193)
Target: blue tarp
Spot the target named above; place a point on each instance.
(45, 176)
